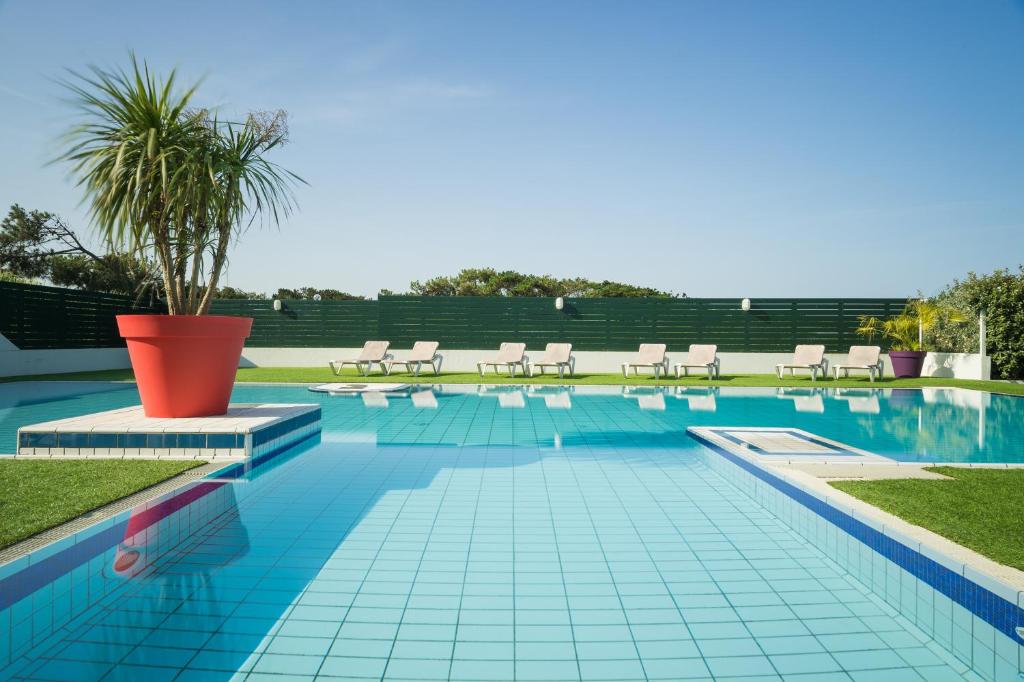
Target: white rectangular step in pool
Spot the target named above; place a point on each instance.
(246, 430)
(782, 445)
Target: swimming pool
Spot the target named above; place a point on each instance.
(909, 425)
(496, 533)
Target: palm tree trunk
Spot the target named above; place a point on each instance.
(220, 257)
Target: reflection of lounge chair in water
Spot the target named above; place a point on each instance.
(511, 399)
(554, 398)
(859, 401)
(508, 396)
(804, 400)
(646, 399)
(698, 400)
(424, 400)
(374, 399)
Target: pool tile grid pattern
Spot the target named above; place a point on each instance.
(501, 563)
(977, 625)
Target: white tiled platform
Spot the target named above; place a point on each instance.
(246, 430)
(783, 445)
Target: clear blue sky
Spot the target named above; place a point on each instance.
(715, 148)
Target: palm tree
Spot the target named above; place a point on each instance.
(170, 182)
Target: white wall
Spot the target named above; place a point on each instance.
(16, 363)
(958, 365)
(25, 362)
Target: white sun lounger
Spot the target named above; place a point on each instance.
(422, 353)
(650, 355)
(701, 356)
(557, 355)
(862, 357)
(509, 355)
(809, 357)
(373, 353)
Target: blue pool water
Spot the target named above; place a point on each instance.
(482, 535)
(913, 425)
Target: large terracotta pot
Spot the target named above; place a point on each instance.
(907, 364)
(184, 364)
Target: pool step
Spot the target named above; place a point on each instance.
(782, 445)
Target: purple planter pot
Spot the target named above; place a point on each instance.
(907, 364)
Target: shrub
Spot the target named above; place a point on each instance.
(1001, 296)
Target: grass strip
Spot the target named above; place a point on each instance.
(982, 509)
(318, 375)
(36, 495)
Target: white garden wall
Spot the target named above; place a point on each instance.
(957, 365)
(16, 363)
(26, 362)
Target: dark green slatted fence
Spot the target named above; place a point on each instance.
(48, 317)
(34, 317)
(771, 325)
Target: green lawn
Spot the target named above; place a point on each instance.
(981, 508)
(40, 494)
(310, 375)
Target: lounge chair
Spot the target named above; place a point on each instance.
(811, 358)
(650, 355)
(373, 353)
(423, 352)
(862, 357)
(557, 355)
(509, 355)
(701, 357)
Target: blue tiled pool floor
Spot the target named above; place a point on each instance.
(491, 563)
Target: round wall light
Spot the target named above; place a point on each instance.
(277, 304)
(317, 297)
(559, 303)
(745, 305)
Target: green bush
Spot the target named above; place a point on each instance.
(1001, 296)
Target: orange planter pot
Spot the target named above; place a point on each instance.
(184, 364)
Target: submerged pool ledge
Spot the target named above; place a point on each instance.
(246, 430)
(973, 605)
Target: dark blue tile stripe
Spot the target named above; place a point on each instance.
(1001, 614)
(269, 433)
